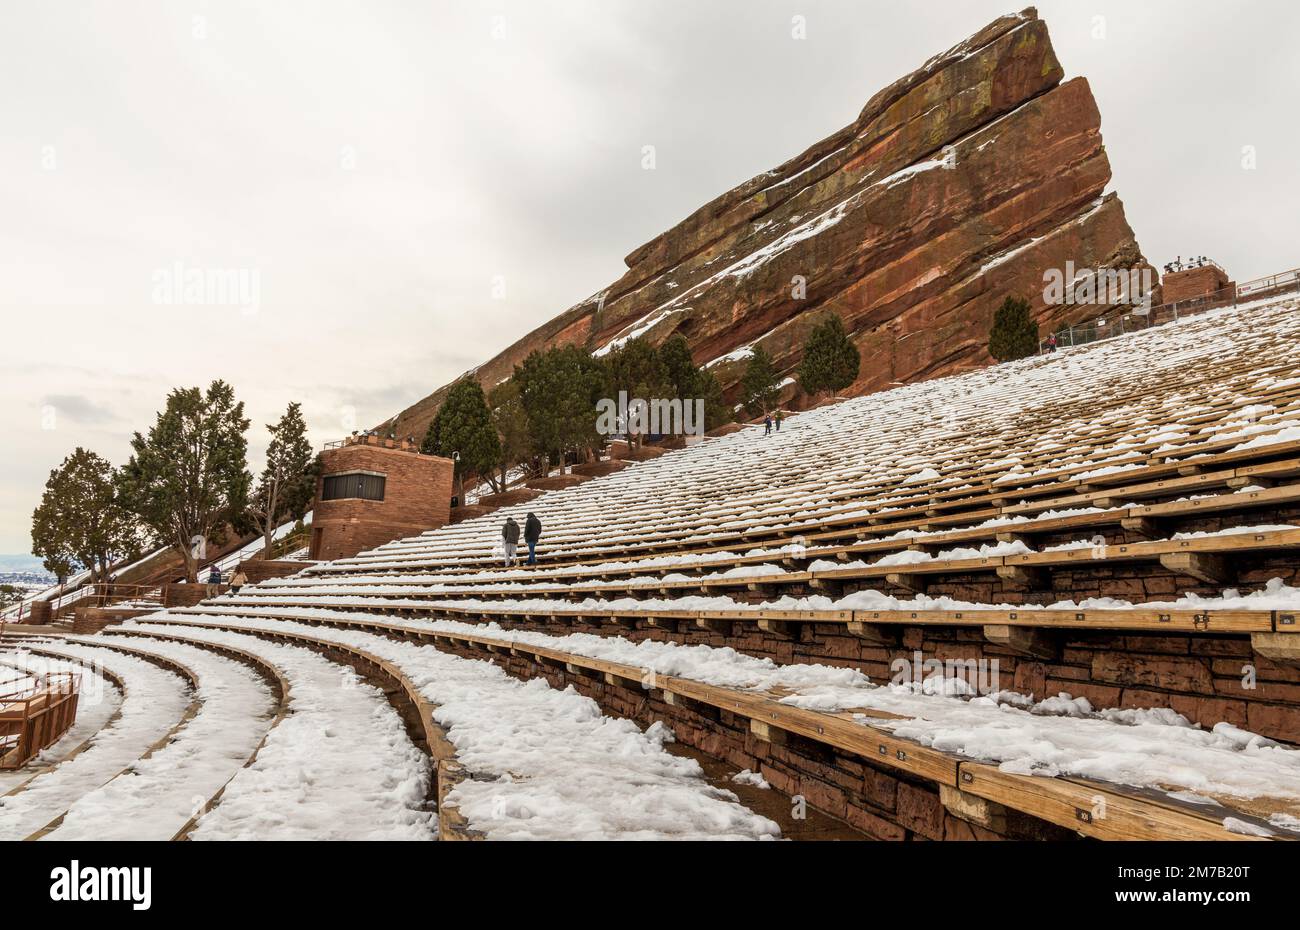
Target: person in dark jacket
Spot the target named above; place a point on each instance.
(214, 581)
(767, 424)
(532, 533)
(510, 540)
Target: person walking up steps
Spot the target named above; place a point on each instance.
(510, 540)
(214, 581)
(767, 424)
(532, 533)
(780, 416)
(237, 580)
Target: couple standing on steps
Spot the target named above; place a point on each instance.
(510, 538)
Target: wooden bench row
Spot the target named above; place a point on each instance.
(969, 787)
(1273, 633)
(917, 517)
(434, 740)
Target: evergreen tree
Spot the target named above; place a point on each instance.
(830, 359)
(81, 521)
(1014, 334)
(691, 383)
(464, 425)
(511, 424)
(288, 483)
(559, 389)
(679, 368)
(188, 478)
(717, 412)
(638, 368)
(760, 384)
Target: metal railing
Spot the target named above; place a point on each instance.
(1119, 324)
(33, 718)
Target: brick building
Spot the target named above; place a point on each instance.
(1202, 278)
(372, 491)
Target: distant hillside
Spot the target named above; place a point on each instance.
(22, 563)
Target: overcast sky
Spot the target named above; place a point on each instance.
(379, 171)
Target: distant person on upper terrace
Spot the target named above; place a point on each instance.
(767, 424)
(1051, 343)
(532, 533)
(780, 416)
(510, 540)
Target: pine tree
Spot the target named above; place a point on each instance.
(760, 383)
(288, 482)
(463, 430)
(188, 478)
(81, 521)
(830, 359)
(1014, 334)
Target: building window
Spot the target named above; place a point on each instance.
(364, 485)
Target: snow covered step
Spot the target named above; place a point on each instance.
(164, 790)
(934, 736)
(339, 766)
(1273, 609)
(99, 699)
(816, 546)
(543, 764)
(154, 703)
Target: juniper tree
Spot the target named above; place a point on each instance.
(717, 411)
(679, 368)
(638, 368)
(463, 430)
(760, 383)
(830, 359)
(692, 383)
(559, 389)
(1014, 334)
(288, 482)
(511, 424)
(187, 480)
(81, 521)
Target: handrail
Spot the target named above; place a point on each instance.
(1100, 328)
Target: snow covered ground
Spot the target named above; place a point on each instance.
(1093, 411)
(547, 764)
(155, 701)
(101, 701)
(339, 766)
(1039, 734)
(161, 793)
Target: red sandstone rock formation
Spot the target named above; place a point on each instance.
(956, 186)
